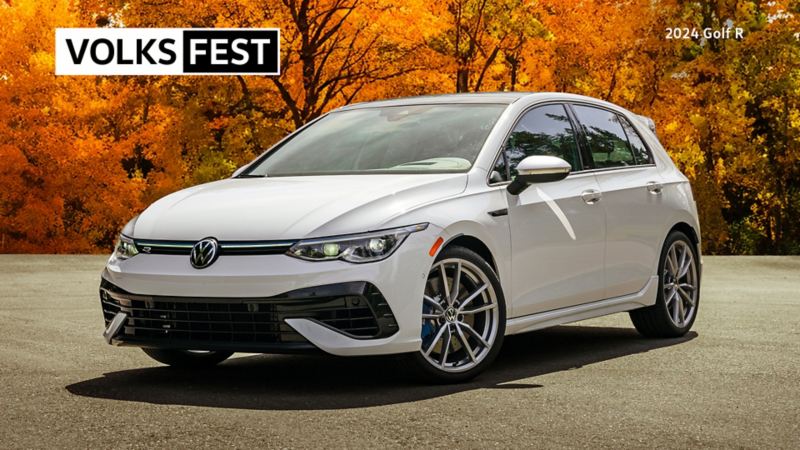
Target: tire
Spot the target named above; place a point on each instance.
(187, 359)
(678, 297)
(444, 357)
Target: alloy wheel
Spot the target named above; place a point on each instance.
(460, 316)
(680, 283)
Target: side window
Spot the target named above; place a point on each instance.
(643, 155)
(607, 139)
(500, 172)
(545, 130)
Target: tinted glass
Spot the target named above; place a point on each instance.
(643, 155)
(607, 140)
(416, 139)
(545, 130)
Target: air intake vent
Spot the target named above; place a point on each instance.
(354, 309)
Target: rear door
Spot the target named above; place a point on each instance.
(631, 187)
(557, 228)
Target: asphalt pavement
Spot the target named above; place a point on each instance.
(734, 381)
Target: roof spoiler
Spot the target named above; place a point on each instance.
(648, 122)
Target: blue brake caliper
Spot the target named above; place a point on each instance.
(428, 326)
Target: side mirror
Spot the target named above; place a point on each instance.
(238, 171)
(538, 169)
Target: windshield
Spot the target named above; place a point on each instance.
(395, 139)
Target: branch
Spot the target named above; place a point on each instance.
(290, 102)
(486, 65)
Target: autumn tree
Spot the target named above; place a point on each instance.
(478, 35)
(765, 193)
(62, 185)
(332, 51)
(80, 155)
(730, 103)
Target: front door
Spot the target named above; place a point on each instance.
(558, 228)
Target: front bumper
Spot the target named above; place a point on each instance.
(271, 303)
(356, 310)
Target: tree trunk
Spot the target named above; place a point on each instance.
(462, 80)
(514, 68)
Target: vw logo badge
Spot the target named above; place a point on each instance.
(204, 253)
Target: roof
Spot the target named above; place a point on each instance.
(478, 97)
(505, 98)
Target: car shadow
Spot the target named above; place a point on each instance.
(294, 382)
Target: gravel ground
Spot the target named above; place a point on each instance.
(732, 382)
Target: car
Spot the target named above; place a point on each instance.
(428, 228)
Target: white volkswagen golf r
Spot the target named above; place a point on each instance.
(429, 227)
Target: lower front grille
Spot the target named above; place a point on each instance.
(354, 309)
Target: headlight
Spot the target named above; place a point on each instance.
(125, 248)
(356, 248)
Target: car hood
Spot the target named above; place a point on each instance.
(291, 207)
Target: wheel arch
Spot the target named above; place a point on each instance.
(476, 245)
(688, 230)
(693, 235)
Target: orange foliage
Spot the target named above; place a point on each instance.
(81, 155)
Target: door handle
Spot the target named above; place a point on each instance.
(591, 196)
(654, 187)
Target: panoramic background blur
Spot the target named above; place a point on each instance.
(82, 155)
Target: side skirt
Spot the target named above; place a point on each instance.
(645, 297)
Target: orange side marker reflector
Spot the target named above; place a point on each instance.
(436, 246)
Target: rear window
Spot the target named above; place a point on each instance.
(607, 140)
(640, 151)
